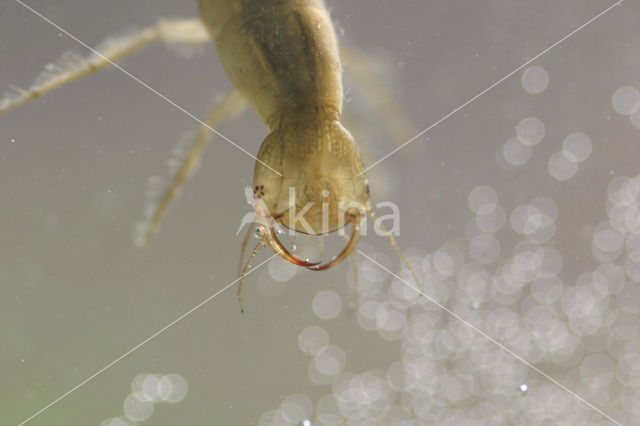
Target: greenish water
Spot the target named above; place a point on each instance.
(519, 212)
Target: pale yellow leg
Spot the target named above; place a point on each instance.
(358, 64)
(244, 271)
(243, 247)
(356, 277)
(393, 243)
(230, 106)
(356, 274)
(72, 66)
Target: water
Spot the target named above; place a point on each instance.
(519, 212)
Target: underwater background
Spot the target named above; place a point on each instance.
(520, 212)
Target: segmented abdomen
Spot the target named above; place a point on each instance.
(282, 55)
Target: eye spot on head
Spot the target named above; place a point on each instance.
(258, 191)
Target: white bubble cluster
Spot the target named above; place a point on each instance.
(327, 360)
(138, 407)
(576, 147)
(146, 391)
(626, 101)
(296, 409)
(561, 167)
(313, 339)
(517, 150)
(490, 218)
(535, 220)
(581, 328)
(362, 396)
(618, 240)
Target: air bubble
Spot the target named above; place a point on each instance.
(628, 369)
(371, 271)
(492, 221)
(312, 339)
(534, 80)
(281, 270)
(146, 384)
(390, 322)
(138, 407)
(173, 388)
(515, 152)
(528, 220)
(327, 304)
(482, 199)
(607, 239)
(596, 370)
(547, 206)
(446, 261)
(608, 278)
(549, 262)
(629, 297)
(330, 360)
(547, 290)
(273, 418)
(484, 249)
(328, 413)
(269, 286)
(316, 376)
(296, 408)
(562, 168)
(530, 131)
(626, 100)
(632, 265)
(367, 315)
(577, 147)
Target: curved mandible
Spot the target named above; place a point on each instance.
(269, 234)
(351, 245)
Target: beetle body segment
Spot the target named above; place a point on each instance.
(282, 56)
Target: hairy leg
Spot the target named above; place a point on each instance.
(246, 268)
(184, 164)
(374, 86)
(72, 66)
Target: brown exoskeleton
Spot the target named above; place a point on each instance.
(282, 56)
(283, 59)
